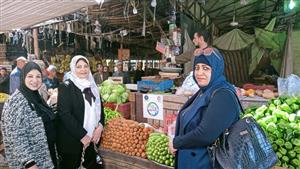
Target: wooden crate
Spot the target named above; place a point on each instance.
(171, 105)
(139, 108)
(132, 99)
(115, 160)
(249, 102)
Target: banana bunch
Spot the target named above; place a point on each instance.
(3, 97)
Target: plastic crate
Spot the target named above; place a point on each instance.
(155, 86)
(124, 108)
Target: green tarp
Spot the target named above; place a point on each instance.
(234, 40)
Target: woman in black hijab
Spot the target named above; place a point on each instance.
(38, 104)
(28, 124)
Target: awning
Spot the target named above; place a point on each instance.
(15, 14)
(234, 40)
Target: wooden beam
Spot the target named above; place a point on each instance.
(156, 22)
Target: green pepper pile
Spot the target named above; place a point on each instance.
(110, 114)
(280, 120)
(157, 149)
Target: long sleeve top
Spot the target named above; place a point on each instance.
(221, 112)
(14, 80)
(4, 84)
(24, 135)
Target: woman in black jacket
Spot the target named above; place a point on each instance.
(80, 117)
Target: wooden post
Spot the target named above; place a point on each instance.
(36, 43)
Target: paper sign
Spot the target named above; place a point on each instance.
(153, 106)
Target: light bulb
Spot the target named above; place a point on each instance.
(134, 11)
(292, 4)
(100, 1)
(153, 3)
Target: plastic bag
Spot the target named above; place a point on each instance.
(289, 86)
(189, 84)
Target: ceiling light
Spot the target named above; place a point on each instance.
(134, 11)
(244, 2)
(69, 27)
(153, 3)
(292, 4)
(100, 1)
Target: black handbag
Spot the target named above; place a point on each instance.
(242, 146)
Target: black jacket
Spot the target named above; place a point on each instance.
(70, 118)
(4, 84)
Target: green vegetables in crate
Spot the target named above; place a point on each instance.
(110, 114)
(280, 119)
(112, 92)
(157, 149)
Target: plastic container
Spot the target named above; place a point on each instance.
(155, 86)
(124, 108)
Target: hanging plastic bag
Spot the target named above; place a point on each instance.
(189, 84)
(289, 86)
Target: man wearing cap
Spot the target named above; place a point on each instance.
(14, 78)
(51, 80)
(121, 73)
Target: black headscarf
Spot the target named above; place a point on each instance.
(35, 100)
(38, 104)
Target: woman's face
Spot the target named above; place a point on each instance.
(33, 80)
(82, 70)
(202, 74)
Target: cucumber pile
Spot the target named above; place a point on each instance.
(157, 149)
(280, 120)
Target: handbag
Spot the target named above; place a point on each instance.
(242, 146)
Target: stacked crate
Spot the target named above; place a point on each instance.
(171, 105)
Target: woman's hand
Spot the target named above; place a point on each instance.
(97, 134)
(86, 140)
(171, 147)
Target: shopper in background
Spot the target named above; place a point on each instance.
(139, 73)
(206, 114)
(14, 78)
(4, 81)
(51, 80)
(121, 73)
(27, 124)
(80, 117)
(43, 89)
(100, 75)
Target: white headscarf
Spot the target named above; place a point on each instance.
(92, 113)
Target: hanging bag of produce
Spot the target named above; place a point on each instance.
(242, 146)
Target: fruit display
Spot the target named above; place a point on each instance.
(157, 149)
(126, 136)
(110, 114)
(3, 97)
(112, 92)
(62, 63)
(280, 120)
(251, 90)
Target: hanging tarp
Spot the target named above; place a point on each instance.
(236, 65)
(234, 40)
(257, 51)
(287, 62)
(269, 40)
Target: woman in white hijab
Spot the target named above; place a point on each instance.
(80, 117)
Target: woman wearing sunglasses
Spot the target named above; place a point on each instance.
(206, 114)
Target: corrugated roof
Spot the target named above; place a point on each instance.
(16, 14)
